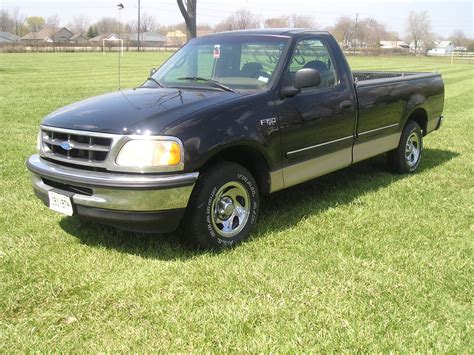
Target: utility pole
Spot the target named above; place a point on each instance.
(138, 26)
(355, 34)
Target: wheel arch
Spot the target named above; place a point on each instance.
(250, 157)
(420, 116)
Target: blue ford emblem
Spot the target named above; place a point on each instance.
(66, 145)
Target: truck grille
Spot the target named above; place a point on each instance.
(80, 148)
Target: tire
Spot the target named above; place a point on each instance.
(407, 157)
(223, 207)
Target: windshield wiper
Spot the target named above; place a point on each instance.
(156, 81)
(212, 82)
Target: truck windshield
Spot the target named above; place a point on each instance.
(234, 62)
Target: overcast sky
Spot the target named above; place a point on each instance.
(446, 16)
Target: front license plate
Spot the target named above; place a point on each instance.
(60, 203)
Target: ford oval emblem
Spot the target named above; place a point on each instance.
(66, 146)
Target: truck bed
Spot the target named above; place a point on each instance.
(362, 78)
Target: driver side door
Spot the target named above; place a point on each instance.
(316, 125)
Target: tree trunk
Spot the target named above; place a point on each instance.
(189, 15)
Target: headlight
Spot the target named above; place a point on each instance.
(149, 153)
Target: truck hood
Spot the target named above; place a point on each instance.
(135, 111)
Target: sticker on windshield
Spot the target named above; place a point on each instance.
(262, 78)
(217, 51)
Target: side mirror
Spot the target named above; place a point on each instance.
(152, 71)
(304, 78)
(307, 77)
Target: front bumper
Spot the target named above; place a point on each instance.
(138, 202)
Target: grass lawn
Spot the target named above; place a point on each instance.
(359, 260)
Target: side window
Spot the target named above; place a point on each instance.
(312, 53)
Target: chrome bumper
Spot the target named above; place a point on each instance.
(114, 191)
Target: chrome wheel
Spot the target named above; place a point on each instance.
(230, 209)
(412, 149)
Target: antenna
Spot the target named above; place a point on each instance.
(120, 7)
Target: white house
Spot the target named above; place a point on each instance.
(441, 48)
(393, 44)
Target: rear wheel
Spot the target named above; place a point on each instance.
(407, 157)
(223, 207)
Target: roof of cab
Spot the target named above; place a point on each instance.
(270, 31)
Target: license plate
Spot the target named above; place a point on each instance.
(60, 203)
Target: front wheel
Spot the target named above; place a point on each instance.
(407, 157)
(223, 207)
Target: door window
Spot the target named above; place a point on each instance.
(313, 53)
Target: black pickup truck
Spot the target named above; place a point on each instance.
(227, 119)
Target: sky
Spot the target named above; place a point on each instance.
(446, 16)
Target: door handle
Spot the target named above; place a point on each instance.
(346, 105)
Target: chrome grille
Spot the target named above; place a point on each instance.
(75, 147)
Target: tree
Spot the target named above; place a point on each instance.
(293, 20)
(189, 14)
(35, 24)
(277, 22)
(419, 29)
(79, 24)
(344, 30)
(458, 38)
(239, 20)
(92, 32)
(6, 21)
(107, 25)
(19, 22)
(301, 21)
(371, 32)
(147, 23)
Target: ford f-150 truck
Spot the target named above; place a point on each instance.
(227, 119)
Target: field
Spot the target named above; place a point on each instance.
(360, 260)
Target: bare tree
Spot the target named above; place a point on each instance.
(19, 21)
(419, 29)
(277, 22)
(147, 23)
(6, 21)
(107, 25)
(344, 30)
(301, 21)
(79, 24)
(371, 32)
(239, 20)
(189, 14)
(458, 38)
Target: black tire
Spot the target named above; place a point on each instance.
(407, 157)
(226, 187)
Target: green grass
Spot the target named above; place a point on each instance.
(361, 260)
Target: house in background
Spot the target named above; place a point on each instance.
(147, 39)
(393, 45)
(49, 35)
(441, 48)
(78, 38)
(175, 38)
(104, 36)
(7, 37)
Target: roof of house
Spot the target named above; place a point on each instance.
(148, 37)
(175, 34)
(103, 36)
(9, 37)
(46, 32)
(76, 36)
(443, 44)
